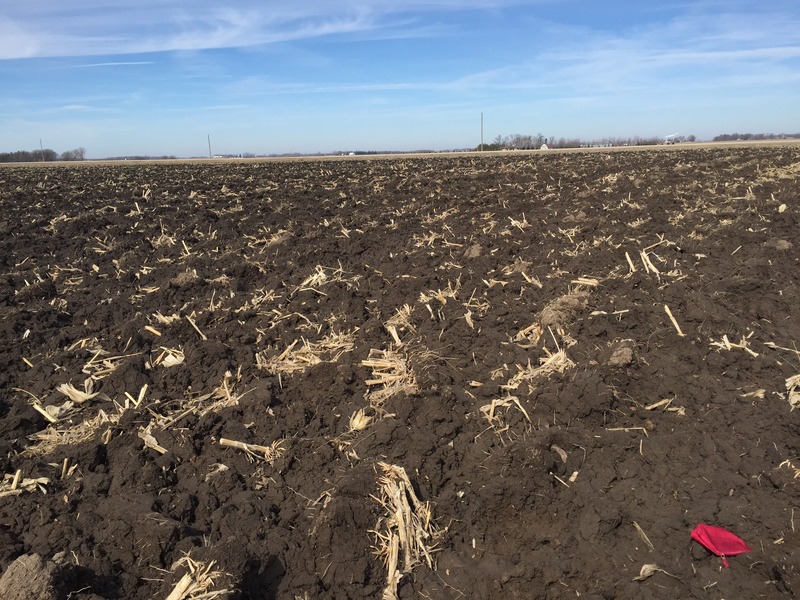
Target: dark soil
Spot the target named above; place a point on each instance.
(544, 501)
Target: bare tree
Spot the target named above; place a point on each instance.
(75, 154)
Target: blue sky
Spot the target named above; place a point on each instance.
(156, 77)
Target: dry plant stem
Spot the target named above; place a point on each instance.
(196, 328)
(659, 404)
(35, 398)
(291, 360)
(138, 400)
(793, 390)
(587, 281)
(644, 537)
(630, 263)
(674, 322)
(390, 371)
(394, 575)
(406, 532)
(648, 265)
(531, 334)
(496, 421)
(242, 446)
(266, 453)
(195, 584)
(553, 362)
(726, 344)
(38, 408)
(100, 366)
(393, 331)
(627, 429)
(150, 441)
(175, 418)
(14, 485)
(181, 588)
(46, 441)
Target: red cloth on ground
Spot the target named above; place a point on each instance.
(719, 541)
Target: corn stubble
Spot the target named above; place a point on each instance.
(571, 273)
(405, 535)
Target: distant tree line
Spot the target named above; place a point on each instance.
(142, 157)
(532, 142)
(733, 137)
(516, 141)
(43, 155)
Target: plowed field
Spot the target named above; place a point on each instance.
(516, 376)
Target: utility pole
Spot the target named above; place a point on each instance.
(209, 146)
(481, 132)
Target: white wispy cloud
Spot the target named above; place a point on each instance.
(115, 64)
(226, 107)
(692, 50)
(16, 41)
(107, 27)
(85, 108)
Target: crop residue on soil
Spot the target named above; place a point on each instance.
(522, 376)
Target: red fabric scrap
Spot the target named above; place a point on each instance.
(719, 541)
